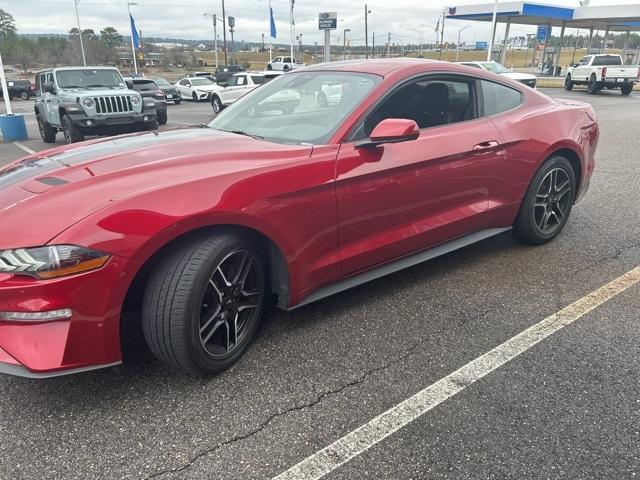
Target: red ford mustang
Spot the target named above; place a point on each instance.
(320, 180)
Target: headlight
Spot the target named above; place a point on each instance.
(88, 102)
(51, 262)
(135, 99)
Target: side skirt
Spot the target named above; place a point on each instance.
(400, 264)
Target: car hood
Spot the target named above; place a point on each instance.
(206, 88)
(519, 76)
(95, 92)
(44, 194)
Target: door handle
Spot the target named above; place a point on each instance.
(485, 147)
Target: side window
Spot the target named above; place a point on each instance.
(242, 80)
(431, 102)
(583, 61)
(287, 59)
(232, 81)
(499, 98)
(49, 77)
(38, 84)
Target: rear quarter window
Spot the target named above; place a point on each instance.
(498, 98)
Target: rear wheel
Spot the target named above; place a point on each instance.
(592, 86)
(204, 302)
(72, 134)
(47, 132)
(626, 88)
(568, 84)
(547, 203)
(24, 95)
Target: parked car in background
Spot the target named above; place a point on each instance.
(284, 64)
(147, 88)
(171, 93)
(186, 234)
(238, 85)
(495, 67)
(83, 101)
(223, 73)
(208, 75)
(602, 71)
(20, 88)
(197, 89)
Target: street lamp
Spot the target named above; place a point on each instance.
(215, 33)
(458, 44)
(84, 60)
(133, 46)
(366, 31)
(344, 46)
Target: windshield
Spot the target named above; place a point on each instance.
(495, 67)
(198, 82)
(86, 78)
(160, 81)
(305, 107)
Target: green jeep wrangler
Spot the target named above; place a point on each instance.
(83, 101)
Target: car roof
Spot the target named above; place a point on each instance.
(382, 66)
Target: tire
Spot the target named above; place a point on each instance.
(162, 118)
(72, 134)
(626, 88)
(152, 125)
(24, 95)
(194, 97)
(47, 132)
(286, 68)
(216, 104)
(568, 84)
(182, 301)
(592, 86)
(542, 201)
(269, 67)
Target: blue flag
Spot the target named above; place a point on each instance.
(273, 24)
(134, 33)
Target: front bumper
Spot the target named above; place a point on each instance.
(88, 340)
(96, 123)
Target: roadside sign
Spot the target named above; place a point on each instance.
(328, 20)
(543, 33)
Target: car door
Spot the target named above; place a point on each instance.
(51, 101)
(226, 94)
(241, 87)
(582, 70)
(401, 198)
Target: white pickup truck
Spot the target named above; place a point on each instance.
(602, 71)
(284, 64)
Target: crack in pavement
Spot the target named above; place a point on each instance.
(364, 376)
(360, 379)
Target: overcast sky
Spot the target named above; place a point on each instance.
(184, 18)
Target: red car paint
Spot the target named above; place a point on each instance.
(331, 210)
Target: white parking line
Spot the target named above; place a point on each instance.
(22, 147)
(355, 443)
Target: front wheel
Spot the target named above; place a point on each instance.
(162, 118)
(216, 104)
(72, 134)
(194, 97)
(204, 302)
(626, 88)
(547, 204)
(568, 84)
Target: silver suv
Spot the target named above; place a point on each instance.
(83, 101)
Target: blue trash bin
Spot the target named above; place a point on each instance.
(13, 128)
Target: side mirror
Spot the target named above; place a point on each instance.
(129, 84)
(48, 87)
(391, 130)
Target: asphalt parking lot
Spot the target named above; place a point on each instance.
(567, 407)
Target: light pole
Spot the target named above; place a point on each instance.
(224, 34)
(133, 46)
(366, 31)
(458, 44)
(215, 33)
(84, 60)
(344, 45)
(493, 30)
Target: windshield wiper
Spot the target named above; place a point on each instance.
(246, 134)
